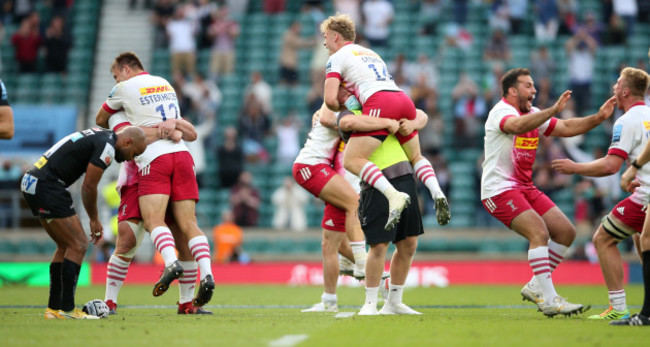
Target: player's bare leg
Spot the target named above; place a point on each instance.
(153, 208)
(611, 265)
(330, 245)
(374, 270)
(562, 234)
(531, 226)
(340, 194)
(425, 173)
(355, 159)
(399, 269)
(185, 216)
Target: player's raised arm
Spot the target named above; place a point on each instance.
(522, 125)
(577, 126)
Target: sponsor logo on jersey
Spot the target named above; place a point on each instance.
(366, 53)
(76, 136)
(28, 185)
(325, 173)
(40, 162)
(616, 132)
(646, 125)
(110, 95)
(526, 142)
(621, 210)
(154, 90)
(329, 223)
(108, 154)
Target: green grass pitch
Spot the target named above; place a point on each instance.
(264, 315)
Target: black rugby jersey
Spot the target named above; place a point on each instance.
(68, 159)
(4, 100)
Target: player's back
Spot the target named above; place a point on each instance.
(148, 100)
(362, 71)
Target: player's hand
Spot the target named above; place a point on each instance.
(165, 128)
(607, 108)
(406, 127)
(564, 166)
(561, 101)
(392, 125)
(176, 136)
(628, 183)
(96, 231)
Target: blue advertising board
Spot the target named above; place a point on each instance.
(37, 128)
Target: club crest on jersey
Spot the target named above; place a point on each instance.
(526, 142)
(616, 132)
(110, 95)
(108, 154)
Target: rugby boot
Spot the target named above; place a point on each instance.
(636, 319)
(112, 307)
(612, 314)
(206, 288)
(559, 305)
(188, 308)
(323, 307)
(532, 295)
(397, 202)
(443, 213)
(397, 309)
(171, 272)
(76, 314)
(52, 314)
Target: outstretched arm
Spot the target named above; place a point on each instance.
(521, 125)
(6, 122)
(606, 166)
(577, 126)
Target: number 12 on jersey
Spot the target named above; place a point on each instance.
(171, 107)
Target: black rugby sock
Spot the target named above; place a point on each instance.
(54, 301)
(645, 310)
(70, 275)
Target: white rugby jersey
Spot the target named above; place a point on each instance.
(509, 158)
(148, 100)
(320, 147)
(361, 71)
(128, 174)
(629, 137)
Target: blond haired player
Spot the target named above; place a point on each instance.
(630, 135)
(364, 74)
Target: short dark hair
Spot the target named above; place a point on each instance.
(127, 58)
(510, 78)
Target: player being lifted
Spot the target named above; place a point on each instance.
(165, 170)
(130, 230)
(512, 131)
(364, 74)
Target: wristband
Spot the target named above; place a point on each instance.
(636, 165)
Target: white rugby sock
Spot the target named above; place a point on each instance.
(371, 295)
(371, 174)
(617, 299)
(395, 294)
(329, 298)
(359, 252)
(200, 249)
(115, 276)
(556, 254)
(187, 282)
(538, 260)
(425, 173)
(164, 242)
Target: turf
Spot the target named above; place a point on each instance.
(260, 315)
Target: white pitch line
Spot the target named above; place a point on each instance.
(344, 315)
(288, 340)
